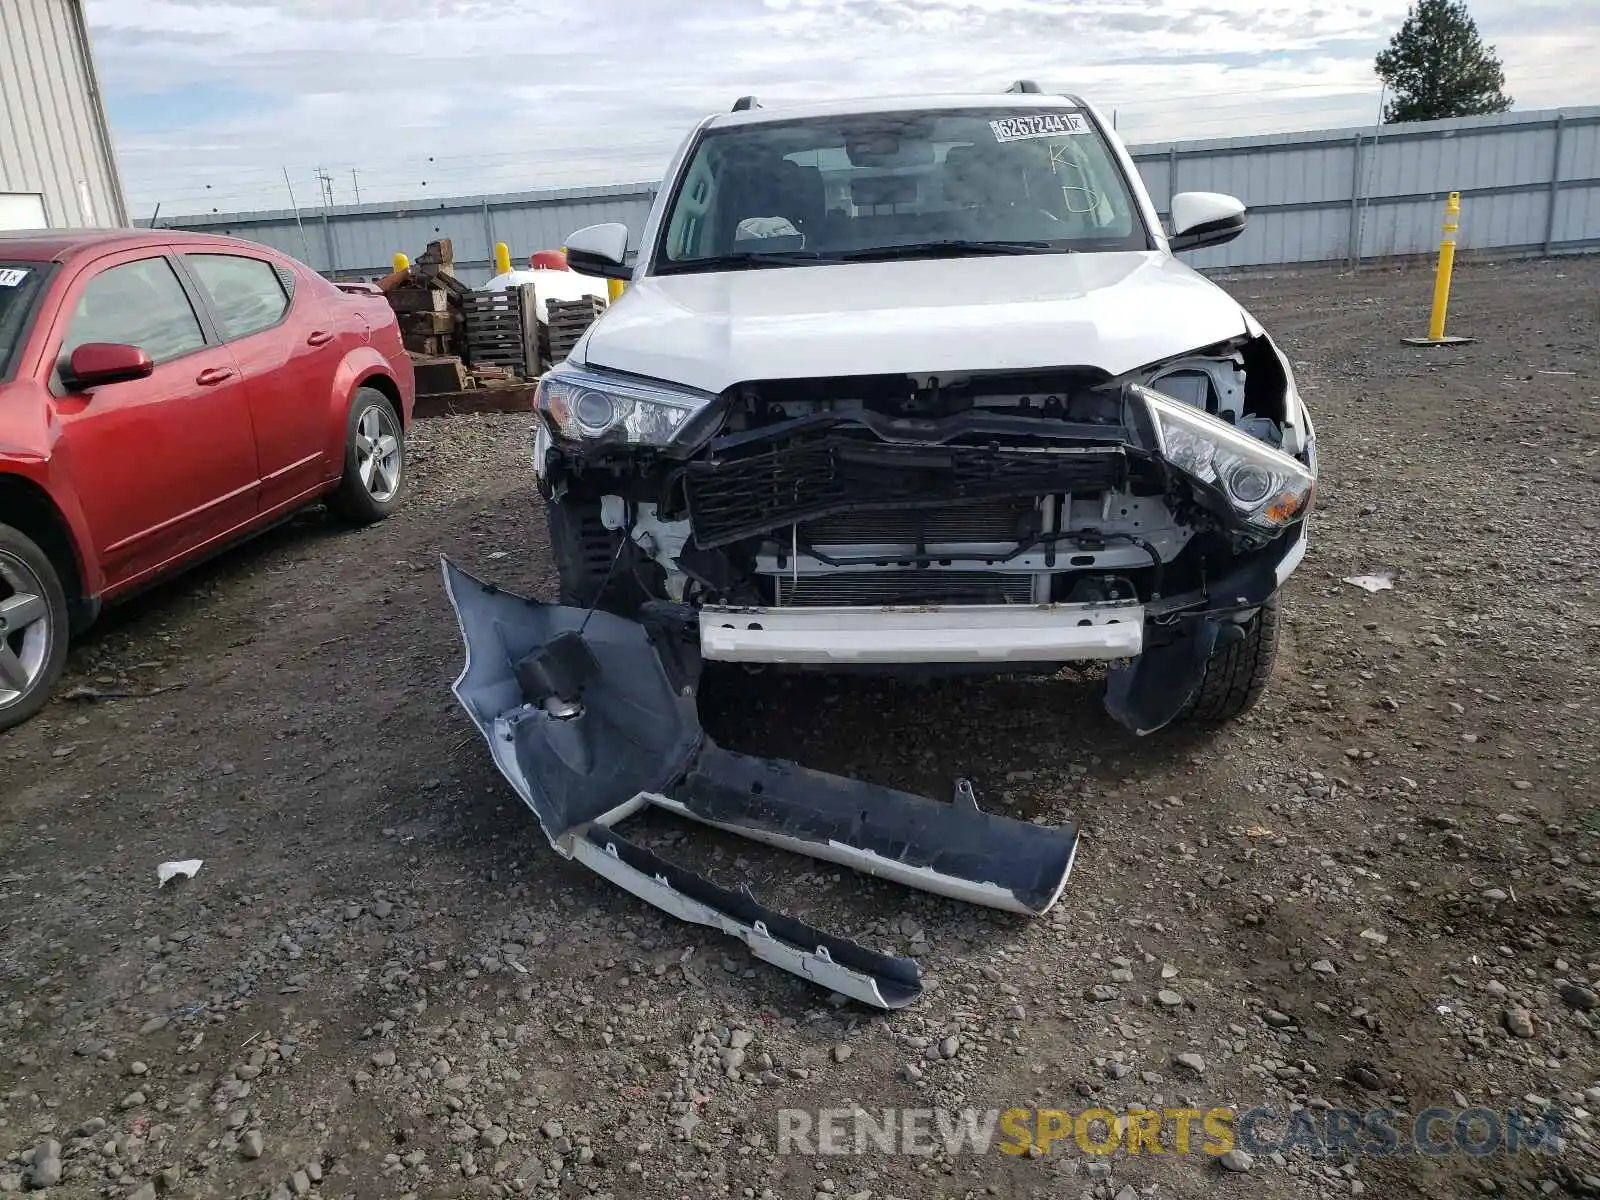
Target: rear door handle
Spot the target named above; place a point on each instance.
(320, 337)
(213, 375)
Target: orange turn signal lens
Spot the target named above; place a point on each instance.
(1282, 507)
(555, 400)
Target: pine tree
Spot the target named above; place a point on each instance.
(1437, 66)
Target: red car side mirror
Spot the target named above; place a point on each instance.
(95, 363)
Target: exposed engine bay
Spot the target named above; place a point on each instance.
(985, 489)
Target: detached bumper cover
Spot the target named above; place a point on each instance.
(591, 718)
(1151, 691)
(988, 633)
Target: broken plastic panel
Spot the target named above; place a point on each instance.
(591, 717)
(1147, 693)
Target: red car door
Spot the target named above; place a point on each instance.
(162, 465)
(289, 353)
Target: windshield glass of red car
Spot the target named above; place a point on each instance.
(19, 284)
(880, 186)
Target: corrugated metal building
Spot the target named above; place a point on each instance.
(359, 240)
(57, 165)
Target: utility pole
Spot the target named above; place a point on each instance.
(355, 185)
(304, 246)
(1372, 166)
(325, 184)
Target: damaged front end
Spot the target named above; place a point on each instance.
(993, 520)
(592, 718)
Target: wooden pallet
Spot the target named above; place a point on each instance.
(584, 309)
(512, 364)
(493, 312)
(501, 330)
(567, 320)
(492, 343)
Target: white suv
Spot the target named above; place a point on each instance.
(917, 384)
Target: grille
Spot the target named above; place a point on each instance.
(806, 477)
(1004, 520)
(905, 587)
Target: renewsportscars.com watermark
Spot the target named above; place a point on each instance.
(1381, 1132)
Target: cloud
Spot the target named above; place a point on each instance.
(212, 99)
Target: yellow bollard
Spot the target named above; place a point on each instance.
(502, 258)
(402, 263)
(1441, 280)
(1447, 262)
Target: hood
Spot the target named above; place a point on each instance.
(1115, 311)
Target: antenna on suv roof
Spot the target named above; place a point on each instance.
(1024, 85)
(745, 104)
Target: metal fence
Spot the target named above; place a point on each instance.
(1529, 184)
(360, 240)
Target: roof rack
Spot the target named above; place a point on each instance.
(1024, 85)
(745, 104)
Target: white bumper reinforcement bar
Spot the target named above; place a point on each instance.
(988, 633)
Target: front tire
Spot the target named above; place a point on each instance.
(374, 461)
(33, 627)
(1237, 675)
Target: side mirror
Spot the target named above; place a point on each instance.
(94, 364)
(1204, 219)
(600, 250)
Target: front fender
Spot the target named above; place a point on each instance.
(357, 367)
(50, 480)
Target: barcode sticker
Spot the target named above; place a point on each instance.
(1038, 125)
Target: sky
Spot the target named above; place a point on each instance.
(213, 101)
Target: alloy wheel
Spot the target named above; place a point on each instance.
(25, 629)
(379, 456)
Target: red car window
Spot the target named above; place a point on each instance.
(137, 304)
(245, 292)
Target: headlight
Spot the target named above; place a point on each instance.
(587, 405)
(1265, 487)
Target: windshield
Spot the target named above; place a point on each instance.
(19, 284)
(898, 185)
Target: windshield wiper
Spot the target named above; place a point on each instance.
(747, 258)
(949, 248)
(944, 248)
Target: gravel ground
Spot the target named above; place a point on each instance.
(1377, 890)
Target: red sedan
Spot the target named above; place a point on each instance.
(163, 395)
